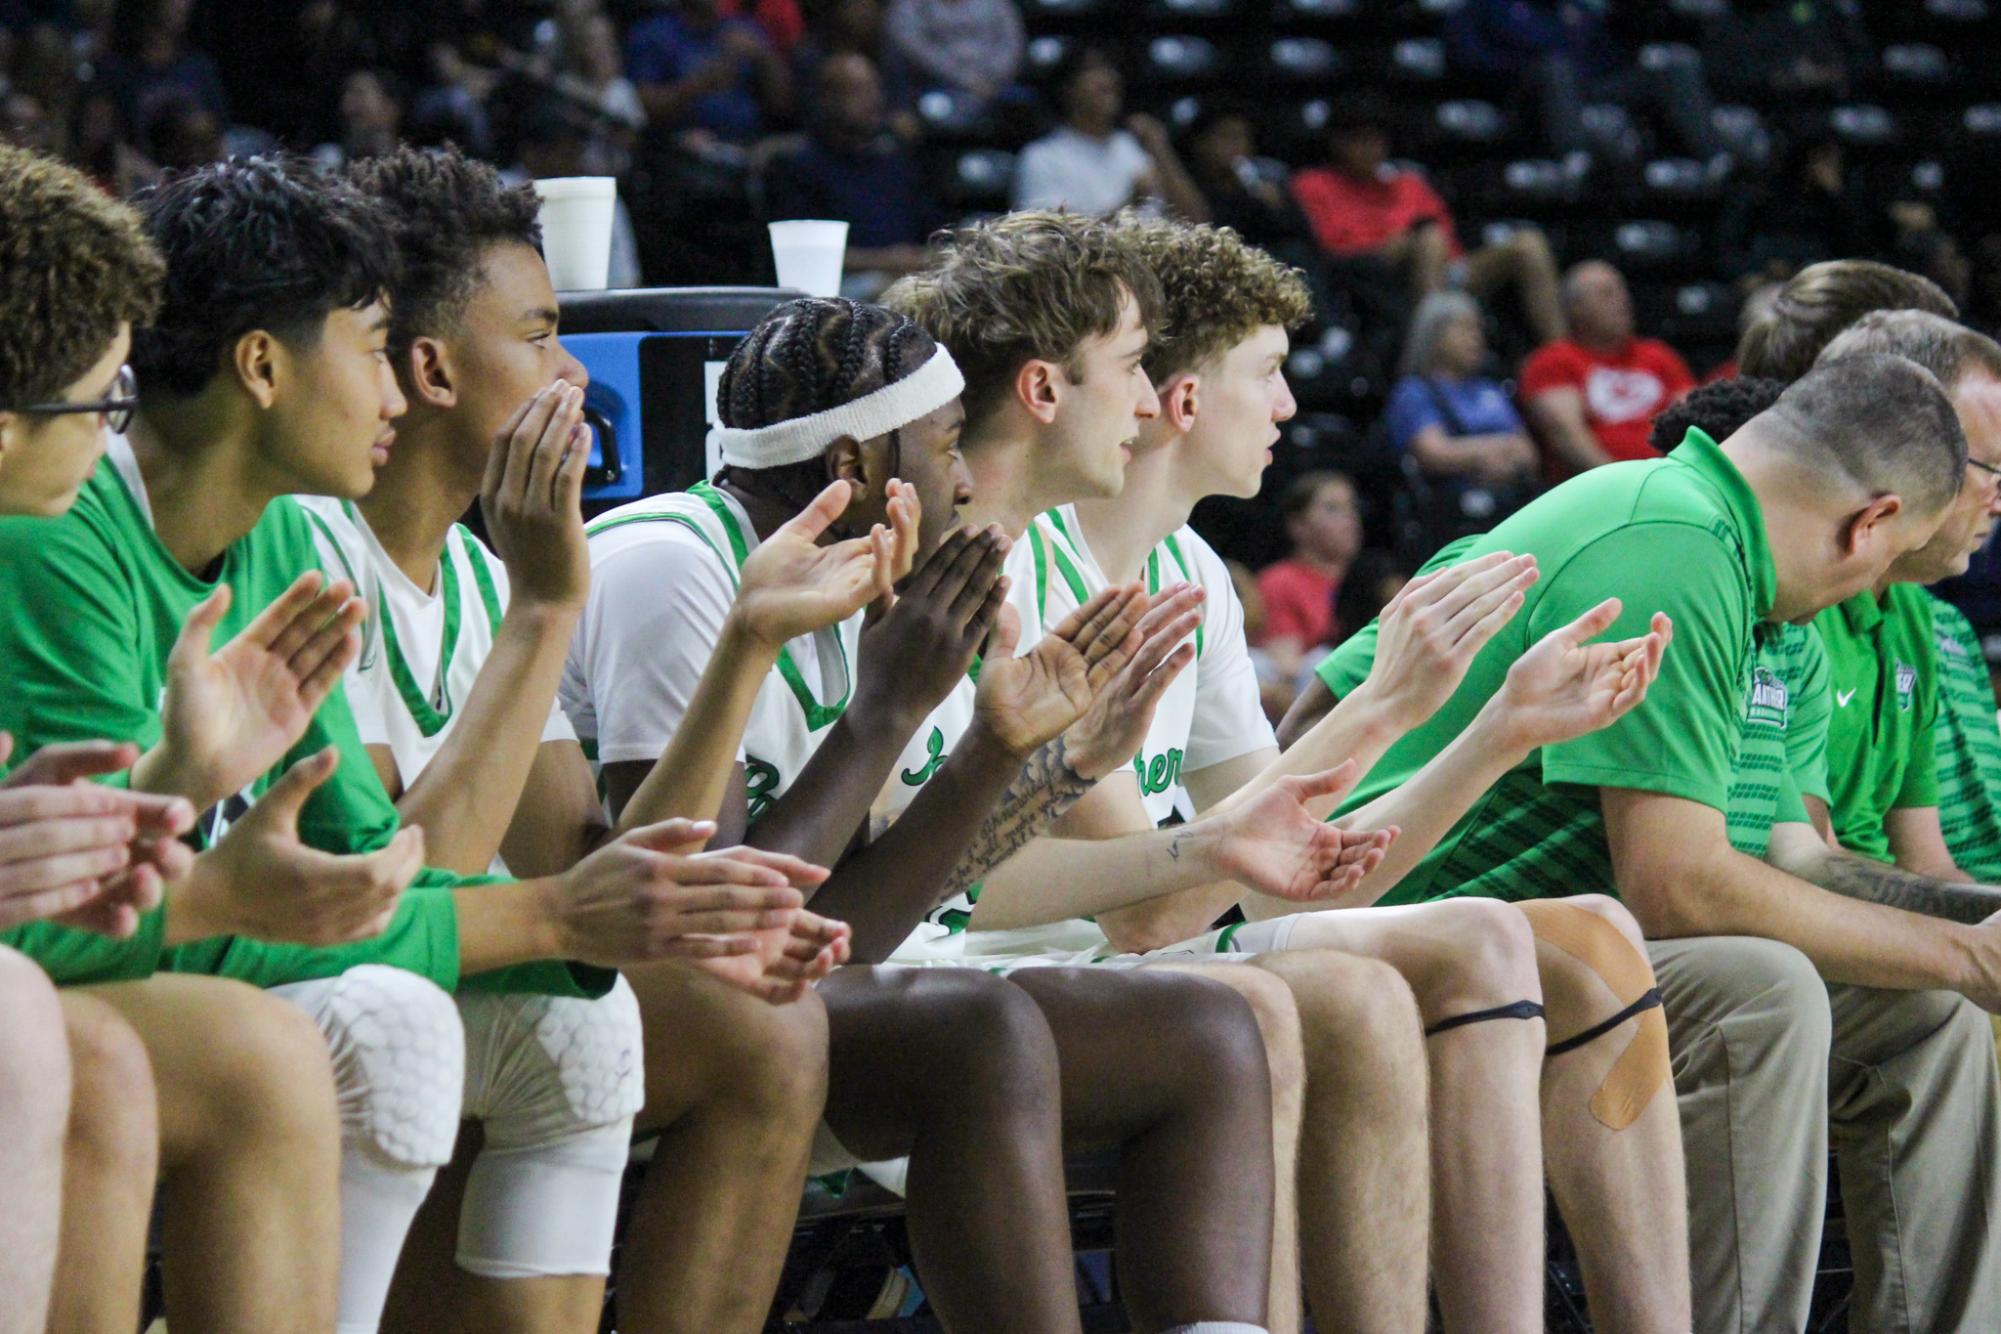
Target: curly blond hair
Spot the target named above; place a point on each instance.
(1030, 286)
(1219, 289)
(74, 265)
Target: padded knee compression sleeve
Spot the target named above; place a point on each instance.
(556, 1082)
(399, 1073)
(1639, 1070)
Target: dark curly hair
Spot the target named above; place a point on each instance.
(808, 356)
(74, 264)
(254, 243)
(1718, 410)
(446, 210)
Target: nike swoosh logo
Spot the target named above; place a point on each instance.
(1841, 698)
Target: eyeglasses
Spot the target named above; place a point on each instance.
(117, 409)
(1990, 469)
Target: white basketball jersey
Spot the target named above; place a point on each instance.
(664, 572)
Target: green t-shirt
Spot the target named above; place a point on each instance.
(1883, 674)
(89, 611)
(1968, 745)
(1683, 535)
(1782, 753)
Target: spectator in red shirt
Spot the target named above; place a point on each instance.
(1362, 205)
(1324, 523)
(1592, 396)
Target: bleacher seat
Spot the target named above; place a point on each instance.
(1045, 53)
(1916, 63)
(1204, 10)
(1468, 121)
(1863, 125)
(1316, 9)
(952, 117)
(1678, 178)
(1664, 55)
(1958, 11)
(1611, 131)
(1745, 131)
(1302, 59)
(1034, 10)
(981, 178)
(1418, 60)
(1183, 59)
(1651, 244)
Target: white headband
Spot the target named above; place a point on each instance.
(928, 388)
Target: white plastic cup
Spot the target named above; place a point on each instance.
(809, 255)
(576, 230)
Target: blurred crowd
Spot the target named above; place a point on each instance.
(1425, 164)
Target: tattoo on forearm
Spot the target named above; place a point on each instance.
(1874, 882)
(1174, 845)
(1045, 788)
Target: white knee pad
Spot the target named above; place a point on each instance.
(399, 1073)
(398, 1059)
(555, 1082)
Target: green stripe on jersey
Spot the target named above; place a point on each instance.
(1969, 748)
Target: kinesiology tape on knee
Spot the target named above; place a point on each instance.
(398, 1060)
(1639, 1071)
(1521, 1009)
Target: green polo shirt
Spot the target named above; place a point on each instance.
(1882, 670)
(1683, 535)
(1968, 745)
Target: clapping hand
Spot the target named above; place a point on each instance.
(1274, 843)
(1114, 728)
(1564, 686)
(1436, 625)
(793, 585)
(231, 714)
(1027, 702)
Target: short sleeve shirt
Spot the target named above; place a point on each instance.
(1683, 535)
(1783, 755)
(1967, 742)
(89, 612)
(1622, 390)
(1213, 712)
(1068, 170)
(1456, 407)
(663, 577)
(1883, 672)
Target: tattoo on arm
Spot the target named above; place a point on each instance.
(1858, 878)
(1174, 846)
(1045, 788)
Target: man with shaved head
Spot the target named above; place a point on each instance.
(1592, 397)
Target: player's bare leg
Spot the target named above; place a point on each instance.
(35, 1108)
(110, 1162)
(1278, 1019)
(249, 1153)
(1364, 1144)
(1611, 1133)
(1471, 965)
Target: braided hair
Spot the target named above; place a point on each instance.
(809, 356)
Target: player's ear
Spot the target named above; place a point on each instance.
(844, 463)
(1180, 402)
(427, 373)
(1035, 388)
(1864, 526)
(255, 358)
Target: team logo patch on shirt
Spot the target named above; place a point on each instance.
(1766, 704)
(1907, 686)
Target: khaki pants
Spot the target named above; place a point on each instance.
(1771, 1066)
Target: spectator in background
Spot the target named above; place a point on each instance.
(1810, 209)
(1242, 190)
(783, 21)
(552, 143)
(183, 133)
(852, 168)
(1455, 425)
(966, 46)
(1092, 163)
(371, 112)
(1364, 207)
(1570, 58)
(149, 62)
(1323, 521)
(593, 78)
(697, 70)
(1592, 397)
(1787, 48)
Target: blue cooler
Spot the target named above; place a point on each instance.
(655, 356)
